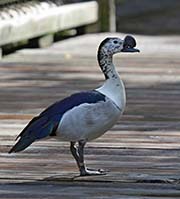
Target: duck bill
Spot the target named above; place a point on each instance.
(130, 50)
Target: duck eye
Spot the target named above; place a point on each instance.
(115, 42)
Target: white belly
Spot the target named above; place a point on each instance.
(88, 121)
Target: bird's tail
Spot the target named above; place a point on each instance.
(22, 143)
(35, 130)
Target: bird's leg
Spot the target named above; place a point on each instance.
(82, 168)
(75, 153)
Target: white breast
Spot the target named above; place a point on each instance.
(114, 89)
(88, 121)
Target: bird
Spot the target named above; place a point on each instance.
(87, 115)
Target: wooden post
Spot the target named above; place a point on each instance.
(42, 41)
(1, 53)
(112, 16)
(107, 15)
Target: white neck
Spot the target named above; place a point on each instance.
(113, 87)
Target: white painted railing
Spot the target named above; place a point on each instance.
(44, 18)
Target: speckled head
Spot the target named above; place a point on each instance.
(113, 45)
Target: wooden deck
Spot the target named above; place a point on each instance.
(142, 152)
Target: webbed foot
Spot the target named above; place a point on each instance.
(91, 172)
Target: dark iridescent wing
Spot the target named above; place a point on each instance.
(47, 122)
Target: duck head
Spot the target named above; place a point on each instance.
(113, 45)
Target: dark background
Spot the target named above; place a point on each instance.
(154, 17)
